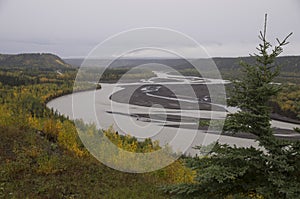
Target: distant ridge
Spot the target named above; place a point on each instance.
(289, 63)
(54, 62)
(33, 60)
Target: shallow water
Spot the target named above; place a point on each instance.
(96, 107)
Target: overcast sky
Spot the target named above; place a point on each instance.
(72, 28)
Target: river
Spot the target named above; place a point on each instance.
(97, 107)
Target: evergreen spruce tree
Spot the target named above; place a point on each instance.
(254, 90)
(232, 172)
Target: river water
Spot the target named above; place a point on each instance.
(97, 107)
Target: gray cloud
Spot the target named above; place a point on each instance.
(73, 28)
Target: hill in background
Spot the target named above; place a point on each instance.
(33, 61)
(47, 61)
(289, 63)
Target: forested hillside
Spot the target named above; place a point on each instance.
(40, 61)
(26, 69)
(41, 155)
(290, 63)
